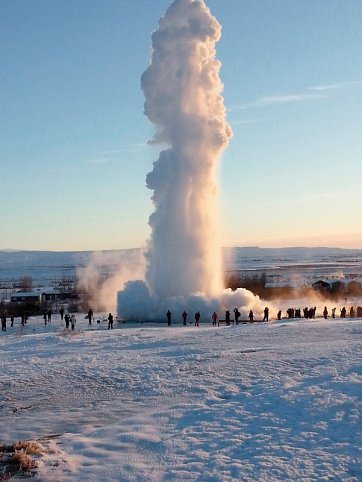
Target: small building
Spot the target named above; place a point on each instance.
(339, 287)
(321, 286)
(52, 294)
(42, 296)
(26, 297)
(354, 287)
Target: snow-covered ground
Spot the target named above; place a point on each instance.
(261, 402)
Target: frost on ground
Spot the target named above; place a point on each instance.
(262, 402)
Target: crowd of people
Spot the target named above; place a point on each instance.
(216, 319)
(308, 313)
(24, 319)
(68, 319)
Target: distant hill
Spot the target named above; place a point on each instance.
(237, 257)
(52, 265)
(309, 262)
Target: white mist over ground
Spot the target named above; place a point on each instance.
(182, 89)
(136, 303)
(105, 273)
(278, 401)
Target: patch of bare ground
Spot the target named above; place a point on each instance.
(19, 458)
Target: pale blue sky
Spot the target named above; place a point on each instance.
(73, 138)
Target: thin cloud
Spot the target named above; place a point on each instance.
(129, 148)
(278, 100)
(315, 92)
(115, 155)
(342, 85)
(245, 121)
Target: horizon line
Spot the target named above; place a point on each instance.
(16, 250)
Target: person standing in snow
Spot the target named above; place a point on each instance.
(12, 321)
(197, 318)
(168, 316)
(279, 315)
(67, 320)
(266, 314)
(227, 317)
(72, 321)
(3, 322)
(61, 312)
(184, 318)
(90, 316)
(251, 316)
(333, 312)
(214, 318)
(325, 313)
(45, 317)
(237, 315)
(110, 321)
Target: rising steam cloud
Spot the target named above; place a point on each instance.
(182, 90)
(105, 273)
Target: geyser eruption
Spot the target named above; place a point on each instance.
(182, 89)
(183, 99)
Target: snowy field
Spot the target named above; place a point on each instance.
(261, 402)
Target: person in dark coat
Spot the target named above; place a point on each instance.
(12, 321)
(67, 320)
(236, 315)
(279, 315)
(3, 323)
(197, 318)
(90, 316)
(168, 316)
(266, 314)
(110, 321)
(61, 312)
(325, 313)
(184, 318)
(251, 316)
(227, 317)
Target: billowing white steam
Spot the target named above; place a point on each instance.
(106, 272)
(182, 89)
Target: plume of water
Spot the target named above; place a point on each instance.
(182, 89)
